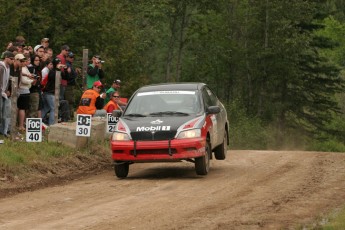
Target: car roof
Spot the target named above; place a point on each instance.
(172, 86)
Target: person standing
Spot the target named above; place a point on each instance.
(94, 71)
(70, 88)
(5, 103)
(62, 56)
(49, 92)
(92, 102)
(35, 90)
(25, 82)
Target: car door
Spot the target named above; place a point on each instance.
(210, 100)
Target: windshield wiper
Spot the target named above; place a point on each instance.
(135, 115)
(169, 113)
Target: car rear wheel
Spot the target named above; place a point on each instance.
(121, 169)
(202, 164)
(220, 151)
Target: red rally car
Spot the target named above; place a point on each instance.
(170, 122)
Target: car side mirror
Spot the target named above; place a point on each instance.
(213, 109)
(116, 113)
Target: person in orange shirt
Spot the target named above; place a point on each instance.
(92, 102)
(113, 104)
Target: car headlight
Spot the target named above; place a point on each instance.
(192, 133)
(117, 136)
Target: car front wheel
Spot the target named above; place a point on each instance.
(121, 169)
(202, 164)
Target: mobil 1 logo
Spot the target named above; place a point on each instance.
(83, 125)
(111, 122)
(33, 129)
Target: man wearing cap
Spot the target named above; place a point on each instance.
(92, 102)
(114, 87)
(39, 50)
(71, 76)
(5, 103)
(94, 71)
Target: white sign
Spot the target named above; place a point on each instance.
(33, 129)
(111, 122)
(83, 125)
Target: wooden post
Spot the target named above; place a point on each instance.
(85, 63)
(57, 95)
(14, 97)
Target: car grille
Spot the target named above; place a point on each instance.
(153, 151)
(149, 136)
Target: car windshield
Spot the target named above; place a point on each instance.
(164, 103)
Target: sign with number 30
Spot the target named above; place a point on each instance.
(83, 128)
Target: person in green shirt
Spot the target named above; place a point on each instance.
(94, 71)
(114, 87)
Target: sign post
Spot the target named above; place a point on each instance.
(83, 125)
(33, 129)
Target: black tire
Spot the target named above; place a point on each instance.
(221, 150)
(121, 169)
(202, 164)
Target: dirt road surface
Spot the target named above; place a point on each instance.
(249, 190)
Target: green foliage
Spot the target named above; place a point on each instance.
(245, 132)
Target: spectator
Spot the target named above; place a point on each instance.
(13, 49)
(62, 56)
(20, 47)
(48, 53)
(9, 44)
(39, 50)
(92, 102)
(48, 65)
(94, 71)
(5, 103)
(70, 88)
(49, 92)
(20, 39)
(113, 104)
(45, 43)
(26, 79)
(114, 87)
(35, 90)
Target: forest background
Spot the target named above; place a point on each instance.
(278, 65)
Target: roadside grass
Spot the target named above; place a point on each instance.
(22, 158)
(336, 221)
(23, 153)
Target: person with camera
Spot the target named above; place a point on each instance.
(62, 56)
(35, 90)
(94, 71)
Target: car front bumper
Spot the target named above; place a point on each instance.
(151, 151)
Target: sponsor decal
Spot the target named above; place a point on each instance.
(153, 128)
(156, 122)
